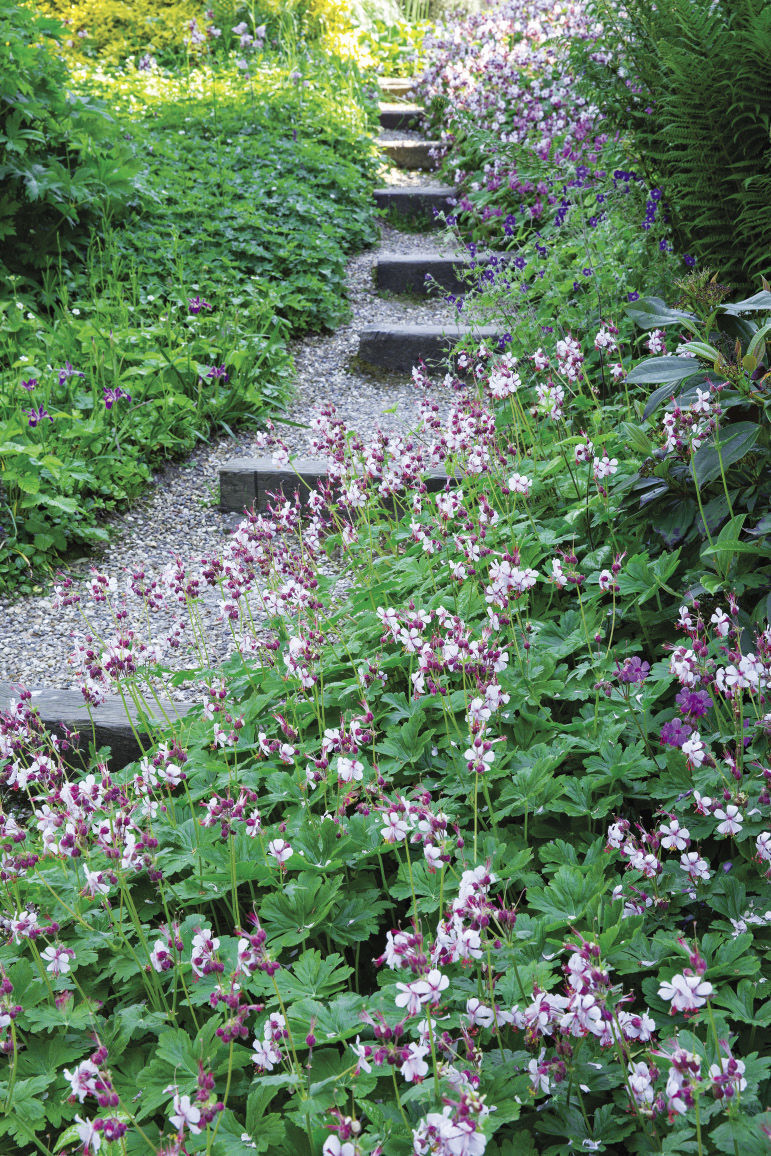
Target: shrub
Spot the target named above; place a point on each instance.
(111, 30)
(61, 166)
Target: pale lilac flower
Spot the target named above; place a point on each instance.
(203, 950)
(408, 996)
(186, 1115)
(731, 820)
(557, 575)
(58, 959)
(265, 1055)
(333, 1146)
(161, 957)
(430, 986)
(479, 1015)
(641, 1083)
(694, 866)
(607, 582)
(657, 342)
(694, 750)
(728, 1077)
(673, 836)
(349, 770)
(396, 828)
(83, 1079)
(362, 1053)
(539, 1074)
(89, 1136)
(721, 622)
(604, 467)
(280, 850)
(415, 1067)
(520, 484)
(637, 1027)
(686, 993)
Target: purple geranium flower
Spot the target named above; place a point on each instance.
(693, 703)
(633, 670)
(675, 733)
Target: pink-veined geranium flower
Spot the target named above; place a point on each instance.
(685, 992)
(186, 1115)
(280, 850)
(58, 959)
(731, 820)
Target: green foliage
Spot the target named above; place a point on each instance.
(251, 197)
(683, 77)
(711, 486)
(63, 167)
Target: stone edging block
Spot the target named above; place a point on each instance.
(415, 202)
(400, 347)
(112, 725)
(246, 483)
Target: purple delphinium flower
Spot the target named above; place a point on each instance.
(693, 703)
(218, 373)
(633, 296)
(675, 733)
(633, 670)
(689, 260)
(113, 395)
(29, 384)
(68, 372)
(36, 415)
(196, 304)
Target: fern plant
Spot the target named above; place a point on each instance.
(686, 77)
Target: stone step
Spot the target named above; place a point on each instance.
(397, 85)
(112, 721)
(248, 483)
(409, 153)
(400, 116)
(400, 347)
(415, 202)
(407, 272)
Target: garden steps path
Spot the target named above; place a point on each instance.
(179, 517)
(400, 115)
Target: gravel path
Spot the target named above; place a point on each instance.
(179, 517)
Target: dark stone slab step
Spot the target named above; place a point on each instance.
(409, 154)
(396, 85)
(400, 347)
(400, 116)
(112, 721)
(407, 272)
(247, 483)
(415, 202)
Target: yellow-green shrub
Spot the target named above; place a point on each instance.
(115, 29)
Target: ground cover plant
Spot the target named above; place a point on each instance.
(472, 859)
(467, 848)
(249, 182)
(541, 171)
